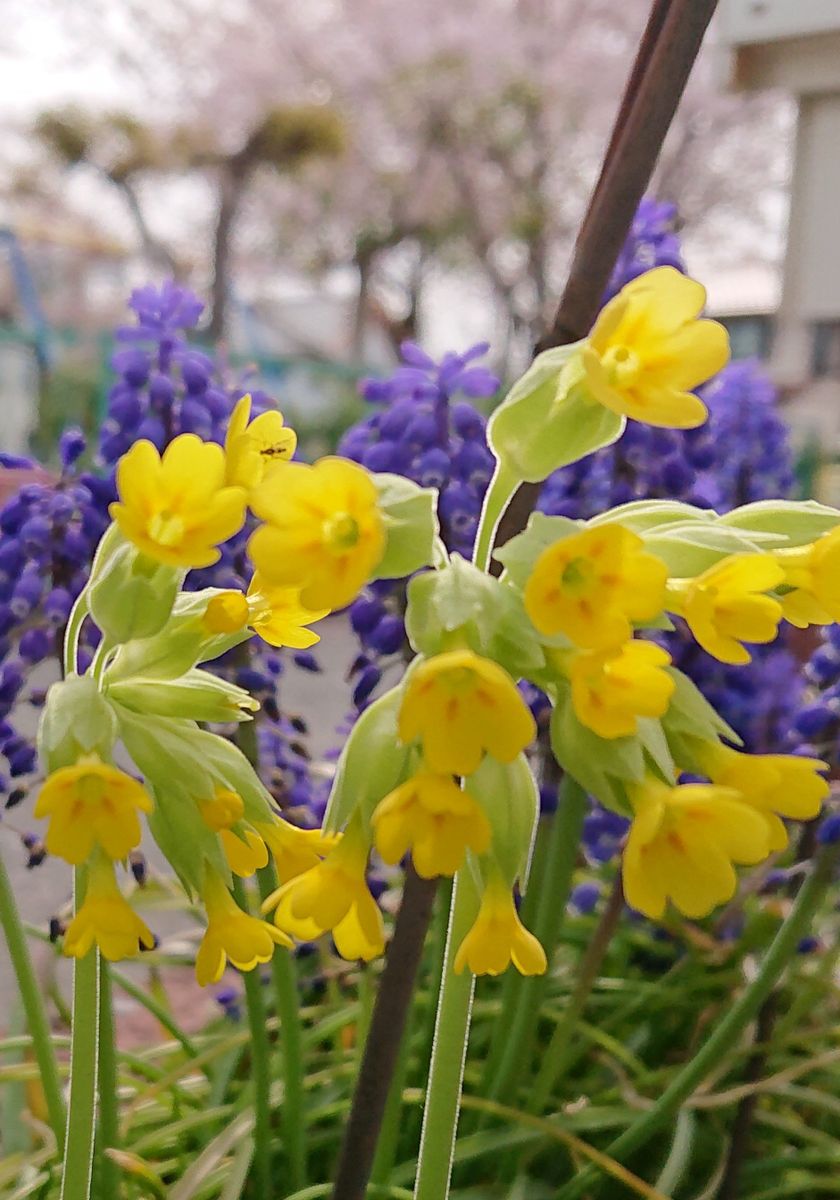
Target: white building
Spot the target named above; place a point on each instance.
(794, 45)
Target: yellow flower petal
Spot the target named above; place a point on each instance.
(460, 706)
(175, 509)
(592, 585)
(647, 351)
(91, 803)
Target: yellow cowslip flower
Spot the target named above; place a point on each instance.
(461, 705)
(251, 450)
(333, 895)
(813, 574)
(498, 938)
(91, 803)
(324, 534)
(106, 918)
(244, 849)
(177, 509)
(434, 819)
(611, 689)
(294, 850)
(231, 934)
(221, 810)
(275, 613)
(777, 785)
(725, 606)
(591, 586)
(682, 844)
(648, 350)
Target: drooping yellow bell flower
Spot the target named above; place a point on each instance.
(244, 849)
(591, 587)
(294, 850)
(324, 532)
(333, 895)
(498, 938)
(611, 689)
(433, 818)
(682, 845)
(91, 803)
(777, 785)
(221, 810)
(231, 934)
(648, 350)
(252, 449)
(461, 705)
(106, 918)
(813, 572)
(177, 509)
(726, 605)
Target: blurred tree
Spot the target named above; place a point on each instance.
(121, 149)
(473, 131)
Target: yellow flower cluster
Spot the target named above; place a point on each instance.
(591, 588)
(456, 708)
(323, 536)
(684, 841)
(322, 539)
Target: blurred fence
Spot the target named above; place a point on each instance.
(42, 392)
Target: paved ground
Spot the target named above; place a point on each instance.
(322, 700)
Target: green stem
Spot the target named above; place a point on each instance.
(555, 1057)
(286, 999)
(439, 928)
(33, 1006)
(72, 631)
(260, 1067)
(108, 1138)
(496, 499)
(84, 1052)
(446, 1071)
(527, 992)
(727, 1031)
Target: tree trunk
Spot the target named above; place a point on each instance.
(231, 189)
(152, 247)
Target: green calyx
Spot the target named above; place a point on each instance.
(132, 597)
(548, 419)
(461, 605)
(372, 763)
(196, 696)
(77, 720)
(411, 525)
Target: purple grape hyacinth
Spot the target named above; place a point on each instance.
(427, 430)
(49, 529)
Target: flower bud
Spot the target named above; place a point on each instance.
(197, 696)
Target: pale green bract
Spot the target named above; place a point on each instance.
(410, 515)
(547, 420)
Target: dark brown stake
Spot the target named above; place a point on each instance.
(382, 1047)
(663, 64)
(666, 54)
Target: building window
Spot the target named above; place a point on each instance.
(825, 349)
(749, 336)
